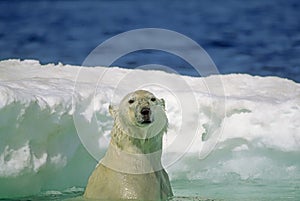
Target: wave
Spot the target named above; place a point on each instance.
(54, 124)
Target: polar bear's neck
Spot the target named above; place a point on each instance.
(131, 163)
(130, 144)
(133, 155)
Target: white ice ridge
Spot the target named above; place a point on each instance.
(38, 137)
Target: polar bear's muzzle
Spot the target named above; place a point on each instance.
(146, 115)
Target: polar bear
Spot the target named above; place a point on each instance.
(131, 168)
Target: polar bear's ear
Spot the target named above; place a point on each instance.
(163, 103)
(112, 110)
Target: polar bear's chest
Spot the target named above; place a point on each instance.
(109, 184)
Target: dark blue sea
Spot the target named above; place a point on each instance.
(258, 37)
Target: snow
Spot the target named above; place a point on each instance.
(54, 121)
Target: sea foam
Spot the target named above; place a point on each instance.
(54, 124)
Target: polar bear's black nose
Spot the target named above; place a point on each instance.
(145, 111)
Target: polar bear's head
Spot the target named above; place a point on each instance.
(140, 114)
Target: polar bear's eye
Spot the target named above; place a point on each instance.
(131, 101)
(153, 99)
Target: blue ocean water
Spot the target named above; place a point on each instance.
(259, 37)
